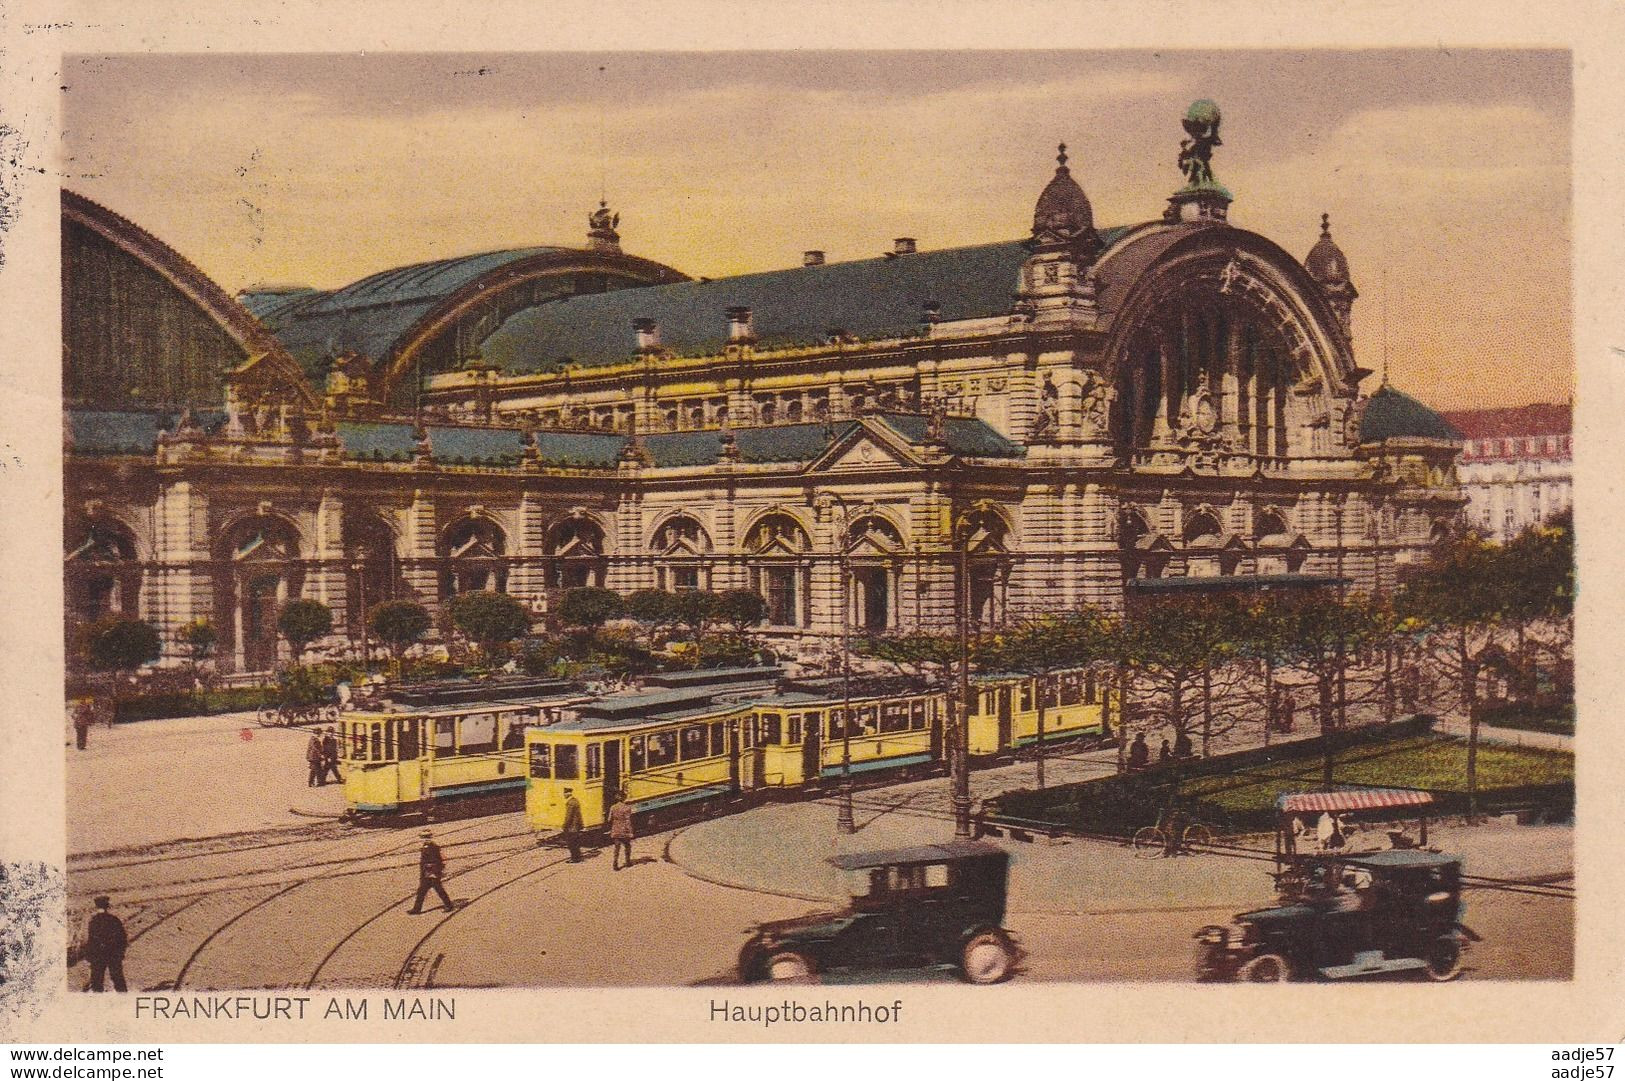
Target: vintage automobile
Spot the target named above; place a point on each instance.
(1348, 916)
(928, 905)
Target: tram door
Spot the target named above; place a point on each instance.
(612, 773)
(812, 748)
(1004, 715)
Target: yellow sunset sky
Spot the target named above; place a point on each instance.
(1446, 173)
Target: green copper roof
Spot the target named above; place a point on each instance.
(367, 441)
(965, 436)
(370, 315)
(1392, 414)
(869, 298)
(134, 431)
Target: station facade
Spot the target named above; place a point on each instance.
(1058, 415)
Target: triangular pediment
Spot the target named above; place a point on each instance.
(864, 446)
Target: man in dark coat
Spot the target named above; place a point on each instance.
(330, 757)
(105, 946)
(316, 759)
(84, 715)
(431, 869)
(572, 824)
(620, 830)
(1139, 755)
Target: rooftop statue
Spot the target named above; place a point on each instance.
(1196, 153)
(602, 218)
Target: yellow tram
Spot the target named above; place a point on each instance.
(401, 759)
(1004, 713)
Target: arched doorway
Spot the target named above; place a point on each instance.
(372, 568)
(777, 548)
(471, 554)
(259, 571)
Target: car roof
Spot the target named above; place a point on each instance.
(953, 850)
(1402, 857)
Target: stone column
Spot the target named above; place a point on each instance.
(527, 579)
(328, 579)
(179, 580)
(418, 552)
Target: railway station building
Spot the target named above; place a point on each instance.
(1067, 411)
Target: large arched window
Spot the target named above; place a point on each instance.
(472, 552)
(102, 575)
(258, 571)
(777, 547)
(684, 550)
(1279, 549)
(575, 547)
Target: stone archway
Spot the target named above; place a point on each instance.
(258, 571)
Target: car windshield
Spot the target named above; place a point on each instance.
(881, 883)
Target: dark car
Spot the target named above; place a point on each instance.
(911, 907)
(1342, 917)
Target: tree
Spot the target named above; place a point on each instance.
(741, 608)
(1459, 601)
(121, 645)
(1176, 648)
(398, 624)
(920, 656)
(1048, 644)
(303, 621)
(653, 609)
(590, 607)
(1321, 633)
(197, 638)
(489, 619)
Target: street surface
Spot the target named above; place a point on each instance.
(230, 873)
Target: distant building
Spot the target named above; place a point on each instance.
(1516, 466)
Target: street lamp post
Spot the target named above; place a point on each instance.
(361, 601)
(844, 822)
(959, 759)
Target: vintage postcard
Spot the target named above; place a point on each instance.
(1009, 535)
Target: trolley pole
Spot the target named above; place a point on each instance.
(960, 758)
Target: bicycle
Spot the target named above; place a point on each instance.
(1176, 832)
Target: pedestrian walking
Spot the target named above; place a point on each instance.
(330, 756)
(1139, 755)
(316, 760)
(84, 715)
(105, 946)
(572, 824)
(431, 872)
(620, 830)
(1165, 753)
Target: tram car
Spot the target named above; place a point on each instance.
(706, 741)
(408, 758)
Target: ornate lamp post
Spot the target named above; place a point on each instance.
(959, 757)
(360, 568)
(844, 821)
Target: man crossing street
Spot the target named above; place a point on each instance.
(431, 870)
(105, 946)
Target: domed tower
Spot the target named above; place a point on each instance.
(1327, 264)
(1054, 279)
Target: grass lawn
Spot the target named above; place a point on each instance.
(1439, 765)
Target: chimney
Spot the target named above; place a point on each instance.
(739, 326)
(648, 334)
(812, 257)
(903, 245)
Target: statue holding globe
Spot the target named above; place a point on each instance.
(1196, 153)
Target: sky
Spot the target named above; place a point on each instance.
(1446, 172)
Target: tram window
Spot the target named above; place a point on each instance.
(916, 714)
(389, 741)
(514, 730)
(479, 734)
(1089, 688)
(377, 742)
(694, 742)
(894, 717)
(794, 723)
(595, 760)
(541, 760)
(835, 724)
(635, 753)
(719, 738)
(409, 738)
(445, 735)
(662, 748)
(1026, 697)
(358, 740)
(1049, 692)
(866, 721)
(567, 762)
(772, 728)
(814, 721)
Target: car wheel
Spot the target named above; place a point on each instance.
(1444, 959)
(1149, 843)
(988, 958)
(1265, 968)
(789, 966)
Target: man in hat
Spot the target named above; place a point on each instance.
(330, 757)
(572, 824)
(105, 946)
(431, 869)
(84, 715)
(316, 760)
(620, 830)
